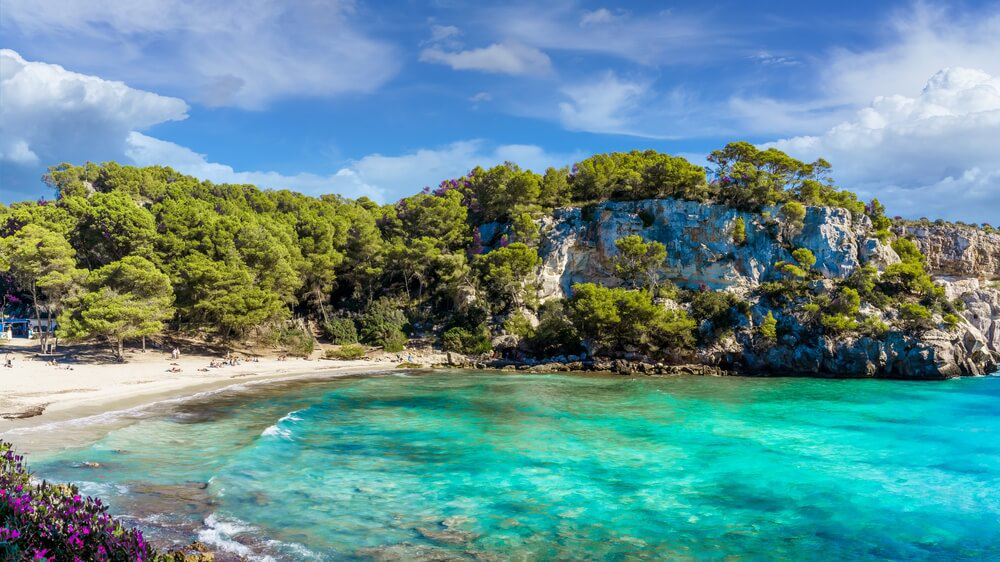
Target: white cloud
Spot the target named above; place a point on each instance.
(50, 114)
(604, 105)
(502, 58)
(243, 53)
(935, 154)
(380, 177)
(599, 16)
(663, 37)
(481, 97)
(406, 174)
(444, 33)
(924, 38)
(921, 39)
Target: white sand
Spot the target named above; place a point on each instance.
(33, 393)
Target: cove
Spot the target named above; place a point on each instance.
(493, 466)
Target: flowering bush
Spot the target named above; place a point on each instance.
(43, 521)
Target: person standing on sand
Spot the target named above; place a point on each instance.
(175, 353)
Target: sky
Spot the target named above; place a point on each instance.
(384, 98)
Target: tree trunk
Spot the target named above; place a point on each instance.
(121, 350)
(322, 305)
(144, 344)
(38, 317)
(48, 330)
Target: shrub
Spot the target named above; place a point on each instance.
(739, 231)
(769, 327)
(43, 521)
(555, 334)
(838, 323)
(296, 342)
(712, 305)
(519, 325)
(906, 277)
(805, 257)
(907, 251)
(463, 341)
(872, 327)
(794, 212)
(951, 321)
(382, 325)
(347, 352)
(452, 340)
(341, 330)
(615, 318)
(847, 302)
(915, 317)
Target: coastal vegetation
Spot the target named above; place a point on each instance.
(125, 253)
(42, 521)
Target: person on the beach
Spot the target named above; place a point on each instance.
(175, 354)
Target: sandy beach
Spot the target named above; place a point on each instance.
(34, 392)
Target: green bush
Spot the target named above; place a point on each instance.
(847, 302)
(382, 325)
(463, 341)
(341, 330)
(769, 327)
(915, 317)
(838, 323)
(907, 251)
(951, 321)
(347, 352)
(555, 334)
(872, 327)
(518, 324)
(616, 318)
(714, 306)
(296, 342)
(739, 231)
(805, 257)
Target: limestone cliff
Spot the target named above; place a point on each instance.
(578, 245)
(955, 250)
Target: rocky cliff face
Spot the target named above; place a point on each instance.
(956, 250)
(578, 245)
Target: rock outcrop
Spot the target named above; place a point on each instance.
(955, 250)
(578, 245)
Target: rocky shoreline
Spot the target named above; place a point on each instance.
(633, 367)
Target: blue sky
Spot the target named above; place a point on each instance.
(381, 99)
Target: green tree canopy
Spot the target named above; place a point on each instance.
(129, 298)
(638, 262)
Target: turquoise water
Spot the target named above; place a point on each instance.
(492, 466)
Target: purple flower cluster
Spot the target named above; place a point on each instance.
(448, 185)
(53, 522)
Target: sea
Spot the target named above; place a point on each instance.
(468, 465)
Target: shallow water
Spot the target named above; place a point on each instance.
(537, 467)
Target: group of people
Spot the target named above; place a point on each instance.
(230, 360)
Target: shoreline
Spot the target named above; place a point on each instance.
(35, 395)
